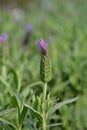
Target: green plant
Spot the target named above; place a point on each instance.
(64, 27)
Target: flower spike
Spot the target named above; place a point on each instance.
(45, 64)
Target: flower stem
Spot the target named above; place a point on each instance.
(44, 114)
(44, 91)
(44, 124)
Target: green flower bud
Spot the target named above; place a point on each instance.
(45, 68)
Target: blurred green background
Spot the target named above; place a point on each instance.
(63, 24)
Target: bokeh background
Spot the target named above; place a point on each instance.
(63, 24)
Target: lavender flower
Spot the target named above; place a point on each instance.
(43, 46)
(45, 64)
(3, 38)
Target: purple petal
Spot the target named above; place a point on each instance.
(43, 46)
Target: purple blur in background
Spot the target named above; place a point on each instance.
(29, 28)
(3, 38)
(27, 37)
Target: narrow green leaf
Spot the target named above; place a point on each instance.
(23, 114)
(15, 76)
(17, 102)
(58, 105)
(36, 103)
(54, 125)
(27, 88)
(8, 122)
(6, 84)
(4, 106)
(4, 112)
(20, 74)
(34, 84)
(36, 113)
(16, 98)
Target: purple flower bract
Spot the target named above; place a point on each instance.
(43, 46)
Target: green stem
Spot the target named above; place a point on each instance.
(44, 124)
(44, 114)
(44, 91)
(4, 61)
